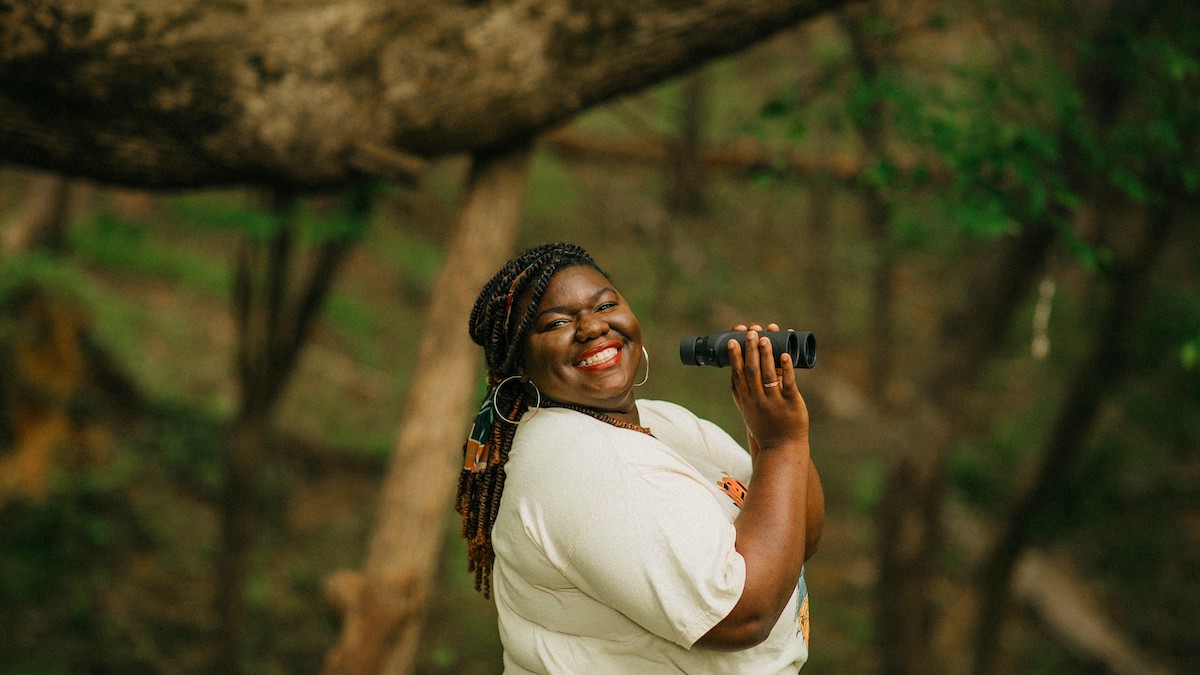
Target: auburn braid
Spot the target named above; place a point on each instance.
(500, 322)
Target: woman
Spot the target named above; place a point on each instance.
(630, 537)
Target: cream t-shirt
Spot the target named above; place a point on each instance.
(615, 549)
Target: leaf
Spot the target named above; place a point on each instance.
(1189, 354)
(1128, 183)
(777, 107)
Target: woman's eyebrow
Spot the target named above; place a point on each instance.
(559, 309)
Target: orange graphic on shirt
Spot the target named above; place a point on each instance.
(735, 488)
(802, 620)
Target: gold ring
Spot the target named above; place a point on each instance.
(771, 384)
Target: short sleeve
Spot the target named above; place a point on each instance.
(660, 550)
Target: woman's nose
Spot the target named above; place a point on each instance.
(591, 326)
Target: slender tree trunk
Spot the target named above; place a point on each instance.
(910, 512)
(687, 170)
(685, 200)
(1094, 378)
(274, 322)
(382, 606)
(245, 442)
(821, 273)
(41, 222)
(862, 22)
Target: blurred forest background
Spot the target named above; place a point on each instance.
(985, 210)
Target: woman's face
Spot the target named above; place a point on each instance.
(585, 344)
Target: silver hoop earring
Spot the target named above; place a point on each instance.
(496, 392)
(646, 358)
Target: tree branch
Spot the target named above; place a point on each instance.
(189, 94)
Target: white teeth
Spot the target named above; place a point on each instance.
(598, 357)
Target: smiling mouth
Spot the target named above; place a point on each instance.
(602, 356)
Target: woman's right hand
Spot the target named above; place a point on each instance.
(773, 409)
(773, 534)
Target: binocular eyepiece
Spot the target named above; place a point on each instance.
(713, 350)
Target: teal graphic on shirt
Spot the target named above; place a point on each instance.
(802, 607)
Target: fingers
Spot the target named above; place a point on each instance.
(770, 376)
(737, 366)
(753, 363)
(743, 327)
(789, 375)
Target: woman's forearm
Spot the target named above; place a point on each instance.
(772, 538)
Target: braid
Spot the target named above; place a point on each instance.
(495, 325)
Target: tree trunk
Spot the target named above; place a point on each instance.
(1094, 378)
(382, 606)
(41, 222)
(311, 93)
(685, 200)
(686, 197)
(910, 511)
(274, 321)
(863, 22)
(245, 444)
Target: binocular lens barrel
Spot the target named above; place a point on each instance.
(713, 350)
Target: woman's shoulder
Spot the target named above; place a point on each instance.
(562, 435)
(683, 430)
(565, 453)
(667, 410)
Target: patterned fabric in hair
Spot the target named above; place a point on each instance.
(476, 455)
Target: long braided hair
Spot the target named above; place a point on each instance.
(496, 326)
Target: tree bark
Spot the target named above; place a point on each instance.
(311, 93)
(914, 492)
(274, 320)
(1094, 378)
(686, 178)
(743, 156)
(41, 222)
(862, 22)
(382, 605)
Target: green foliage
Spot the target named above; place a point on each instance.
(189, 443)
(780, 116)
(359, 324)
(1005, 170)
(417, 257)
(343, 217)
(43, 270)
(556, 193)
(1151, 149)
(127, 247)
(54, 557)
(867, 487)
(1189, 354)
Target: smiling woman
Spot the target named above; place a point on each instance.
(585, 344)
(633, 536)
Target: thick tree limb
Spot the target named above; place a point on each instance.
(381, 606)
(308, 93)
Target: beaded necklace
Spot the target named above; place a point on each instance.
(603, 417)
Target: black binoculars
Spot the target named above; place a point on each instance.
(713, 350)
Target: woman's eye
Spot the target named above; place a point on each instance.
(555, 324)
(606, 305)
